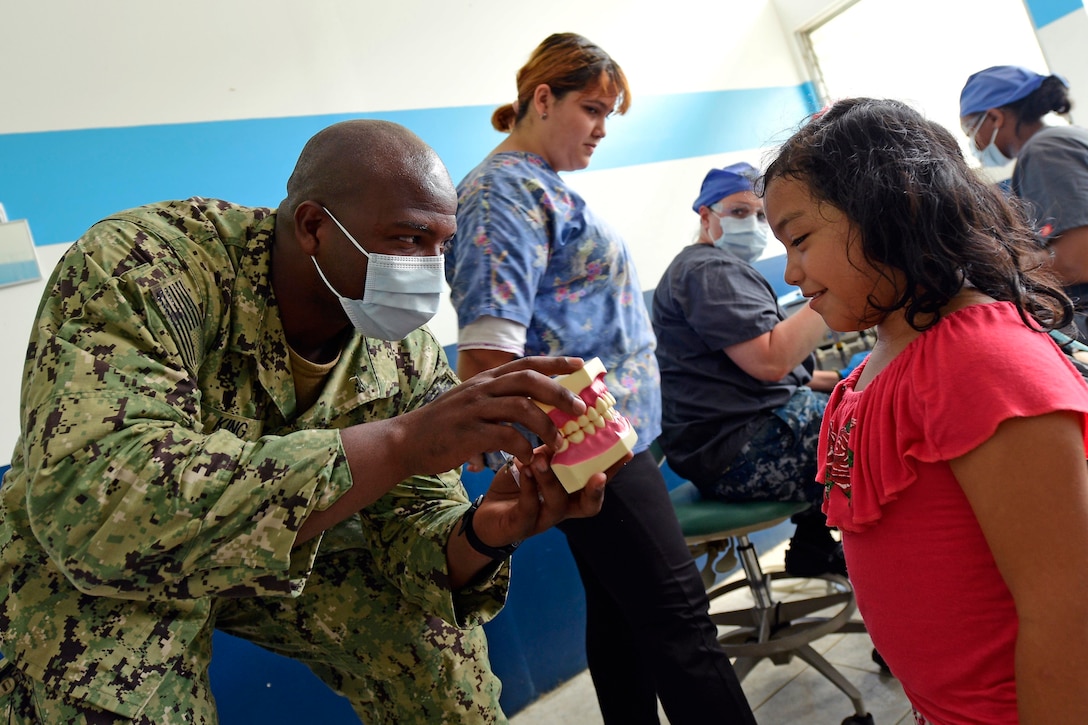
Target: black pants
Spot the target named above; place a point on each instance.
(648, 634)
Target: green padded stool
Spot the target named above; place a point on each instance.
(764, 628)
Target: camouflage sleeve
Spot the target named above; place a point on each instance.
(126, 492)
(412, 523)
(410, 526)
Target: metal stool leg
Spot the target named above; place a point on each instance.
(777, 631)
(814, 658)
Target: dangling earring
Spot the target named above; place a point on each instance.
(544, 117)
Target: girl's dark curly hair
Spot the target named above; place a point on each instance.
(903, 181)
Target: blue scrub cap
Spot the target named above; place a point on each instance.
(720, 183)
(998, 86)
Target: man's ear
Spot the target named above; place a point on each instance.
(309, 216)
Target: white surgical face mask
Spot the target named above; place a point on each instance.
(402, 293)
(745, 238)
(990, 156)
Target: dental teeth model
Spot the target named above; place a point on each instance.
(595, 440)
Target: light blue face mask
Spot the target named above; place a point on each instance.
(745, 238)
(402, 293)
(990, 156)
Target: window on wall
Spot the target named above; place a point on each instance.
(919, 51)
(18, 258)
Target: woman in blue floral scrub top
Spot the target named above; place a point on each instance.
(534, 272)
(530, 251)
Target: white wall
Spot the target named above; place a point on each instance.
(1063, 44)
(132, 62)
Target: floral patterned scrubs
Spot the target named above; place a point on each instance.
(529, 250)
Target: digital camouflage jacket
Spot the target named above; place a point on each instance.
(162, 462)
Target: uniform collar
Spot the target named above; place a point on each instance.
(257, 331)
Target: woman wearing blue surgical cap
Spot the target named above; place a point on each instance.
(1001, 111)
(741, 403)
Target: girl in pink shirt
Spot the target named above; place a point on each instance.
(953, 459)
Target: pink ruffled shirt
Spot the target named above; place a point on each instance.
(927, 585)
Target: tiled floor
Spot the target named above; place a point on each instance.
(791, 694)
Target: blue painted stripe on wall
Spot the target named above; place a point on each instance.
(64, 181)
(1045, 12)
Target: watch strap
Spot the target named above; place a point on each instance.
(495, 552)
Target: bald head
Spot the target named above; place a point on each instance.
(390, 194)
(342, 162)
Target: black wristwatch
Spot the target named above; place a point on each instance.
(499, 552)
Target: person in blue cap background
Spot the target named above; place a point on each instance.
(1001, 111)
(741, 401)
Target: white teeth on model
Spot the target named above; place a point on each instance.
(596, 418)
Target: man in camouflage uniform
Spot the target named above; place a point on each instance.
(207, 442)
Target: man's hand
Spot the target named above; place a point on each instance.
(475, 416)
(513, 510)
(472, 417)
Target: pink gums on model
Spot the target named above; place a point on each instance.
(595, 440)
